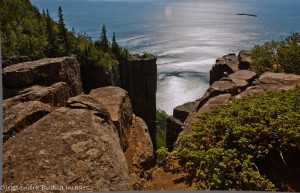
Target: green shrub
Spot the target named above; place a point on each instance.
(278, 56)
(161, 118)
(222, 153)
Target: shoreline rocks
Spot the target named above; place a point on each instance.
(231, 79)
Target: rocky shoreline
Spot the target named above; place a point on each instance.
(230, 79)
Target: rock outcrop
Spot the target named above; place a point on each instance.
(55, 95)
(117, 102)
(230, 81)
(229, 64)
(60, 144)
(21, 115)
(44, 72)
(139, 154)
(139, 77)
(73, 146)
(175, 122)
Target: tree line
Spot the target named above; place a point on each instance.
(27, 33)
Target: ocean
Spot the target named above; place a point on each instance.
(186, 35)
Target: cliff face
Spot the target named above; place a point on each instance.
(56, 137)
(96, 77)
(139, 78)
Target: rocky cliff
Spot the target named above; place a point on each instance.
(139, 78)
(59, 140)
(95, 77)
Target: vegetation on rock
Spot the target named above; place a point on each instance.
(161, 118)
(229, 141)
(278, 56)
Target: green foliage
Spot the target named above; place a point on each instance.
(229, 139)
(162, 154)
(63, 32)
(161, 125)
(278, 56)
(28, 33)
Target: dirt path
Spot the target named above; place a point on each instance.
(162, 180)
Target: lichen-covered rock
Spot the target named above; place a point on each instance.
(22, 115)
(55, 95)
(42, 72)
(117, 103)
(74, 146)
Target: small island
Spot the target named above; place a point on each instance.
(251, 15)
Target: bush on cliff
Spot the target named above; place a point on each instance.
(161, 117)
(278, 56)
(231, 140)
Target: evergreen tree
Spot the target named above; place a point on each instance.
(103, 40)
(63, 34)
(51, 39)
(115, 48)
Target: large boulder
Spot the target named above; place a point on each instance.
(19, 116)
(174, 128)
(74, 148)
(223, 67)
(182, 111)
(139, 154)
(217, 88)
(212, 102)
(55, 95)
(43, 72)
(244, 58)
(280, 78)
(270, 82)
(242, 78)
(117, 103)
(175, 122)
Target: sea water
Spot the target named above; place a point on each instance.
(186, 35)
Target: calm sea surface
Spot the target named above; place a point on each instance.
(186, 35)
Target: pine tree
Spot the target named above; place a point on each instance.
(103, 40)
(51, 39)
(115, 48)
(63, 33)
